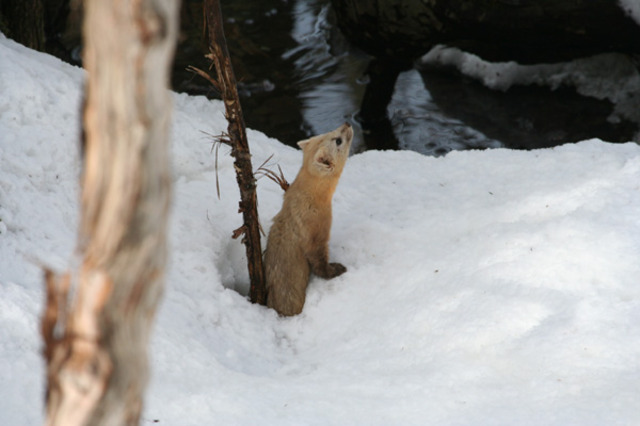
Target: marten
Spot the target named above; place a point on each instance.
(298, 242)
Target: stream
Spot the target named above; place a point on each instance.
(298, 76)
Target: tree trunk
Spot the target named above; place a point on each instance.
(239, 150)
(25, 22)
(97, 365)
(526, 31)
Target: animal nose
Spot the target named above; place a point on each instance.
(347, 125)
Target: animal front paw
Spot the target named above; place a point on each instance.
(336, 269)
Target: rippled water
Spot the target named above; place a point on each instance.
(298, 76)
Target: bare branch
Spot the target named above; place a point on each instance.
(219, 56)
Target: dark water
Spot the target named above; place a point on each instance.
(298, 76)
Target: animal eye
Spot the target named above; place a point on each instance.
(338, 141)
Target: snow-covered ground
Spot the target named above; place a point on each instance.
(489, 287)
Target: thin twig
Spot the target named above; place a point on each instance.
(204, 75)
(238, 232)
(222, 138)
(263, 170)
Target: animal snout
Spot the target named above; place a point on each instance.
(346, 132)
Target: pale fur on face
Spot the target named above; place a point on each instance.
(326, 154)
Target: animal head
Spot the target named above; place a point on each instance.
(325, 155)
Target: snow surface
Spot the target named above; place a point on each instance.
(489, 287)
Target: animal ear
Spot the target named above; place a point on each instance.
(323, 160)
(303, 143)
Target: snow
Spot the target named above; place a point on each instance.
(611, 76)
(492, 287)
(631, 8)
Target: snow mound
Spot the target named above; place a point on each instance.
(631, 8)
(610, 76)
(484, 287)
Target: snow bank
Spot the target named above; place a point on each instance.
(496, 287)
(609, 76)
(631, 8)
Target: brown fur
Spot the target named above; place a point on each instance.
(298, 242)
